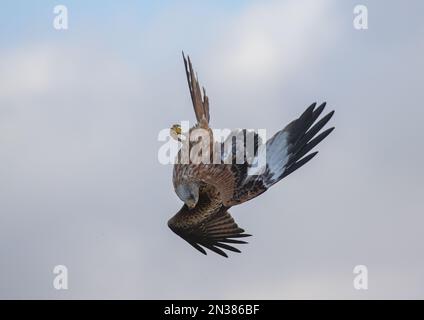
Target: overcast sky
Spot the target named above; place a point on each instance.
(81, 109)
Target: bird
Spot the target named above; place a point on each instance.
(209, 190)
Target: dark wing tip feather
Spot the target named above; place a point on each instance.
(200, 102)
(309, 109)
(317, 112)
(215, 249)
(299, 164)
(227, 247)
(228, 240)
(197, 247)
(314, 142)
(303, 136)
(216, 233)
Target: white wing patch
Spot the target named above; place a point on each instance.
(277, 157)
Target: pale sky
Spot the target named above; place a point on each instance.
(81, 109)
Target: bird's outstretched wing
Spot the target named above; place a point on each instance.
(200, 101)
(215, 231)
(286, 151)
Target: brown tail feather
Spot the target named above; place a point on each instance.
(200, 102)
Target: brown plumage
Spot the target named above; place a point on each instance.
(210, 190)
(209, 224)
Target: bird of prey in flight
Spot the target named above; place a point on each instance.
(210, 190)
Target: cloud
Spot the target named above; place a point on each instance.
(25, 72)
(272, 40)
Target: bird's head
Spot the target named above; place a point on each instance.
(189, 193)
(176, 132)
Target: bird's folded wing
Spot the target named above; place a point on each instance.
(215, 232)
